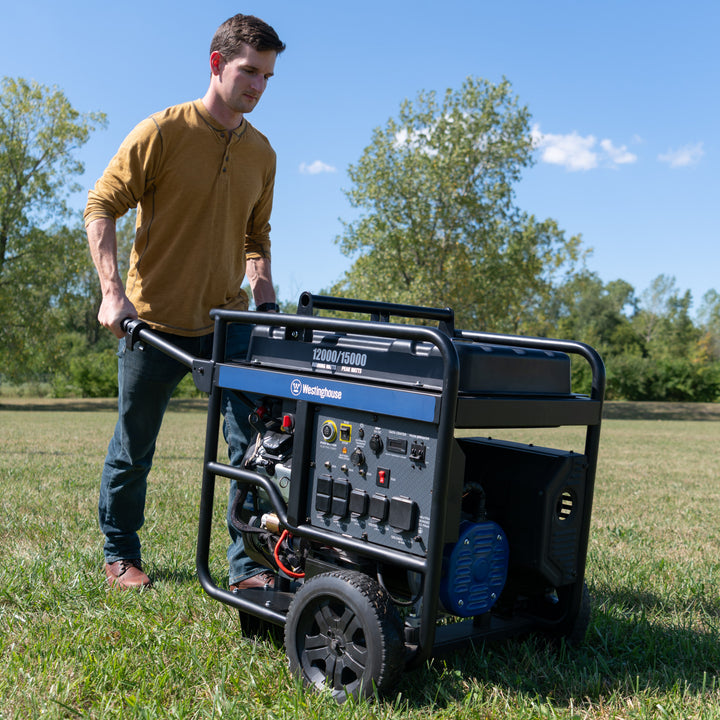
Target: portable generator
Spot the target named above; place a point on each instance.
(392, 534)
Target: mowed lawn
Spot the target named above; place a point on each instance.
(69, 648)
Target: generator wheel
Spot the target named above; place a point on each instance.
(253, 627)
(342, 631)
(579, 628)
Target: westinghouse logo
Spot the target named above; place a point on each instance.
(298, 387)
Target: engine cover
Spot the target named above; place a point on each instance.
(474, 569)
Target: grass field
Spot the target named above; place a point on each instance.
(69, 648)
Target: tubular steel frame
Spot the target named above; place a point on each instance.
(490, 411)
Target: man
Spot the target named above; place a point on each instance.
(202, 179)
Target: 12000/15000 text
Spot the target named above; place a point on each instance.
(344, 357)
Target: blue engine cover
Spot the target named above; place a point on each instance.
(474, 569)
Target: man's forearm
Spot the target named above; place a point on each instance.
(259, 276)
(115, 305)
(103, 249)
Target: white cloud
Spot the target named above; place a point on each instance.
(684, 156)
(618, 155)
(571, 151)
(576, 152)
(316, 168)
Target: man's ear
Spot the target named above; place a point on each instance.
(216, 62)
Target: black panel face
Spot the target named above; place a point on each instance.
(373, 478)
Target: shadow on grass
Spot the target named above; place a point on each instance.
(626, 655)
(629, 651)
(184, 575)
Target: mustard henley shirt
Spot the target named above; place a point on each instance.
(204, 197)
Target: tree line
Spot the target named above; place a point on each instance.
(438, 226)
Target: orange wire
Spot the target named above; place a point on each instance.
(289, 573)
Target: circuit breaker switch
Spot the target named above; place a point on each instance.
(382, 479)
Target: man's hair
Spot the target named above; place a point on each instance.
(242, 30)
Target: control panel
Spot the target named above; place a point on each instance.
(372, 477)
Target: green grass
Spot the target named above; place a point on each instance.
(70, 648)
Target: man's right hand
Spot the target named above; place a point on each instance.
(113, 310)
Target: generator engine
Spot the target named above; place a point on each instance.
(271, 453)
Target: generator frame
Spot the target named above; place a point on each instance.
(451, 411)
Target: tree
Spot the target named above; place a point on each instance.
(40, 253)
(439, 225)
(675, 363)
(709, 316)
(585, 308)
(664, 320)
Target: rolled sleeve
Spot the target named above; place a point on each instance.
(257, 236)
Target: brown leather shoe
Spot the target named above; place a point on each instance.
(261, 581)
(126, 575)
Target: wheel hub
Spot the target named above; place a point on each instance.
(336, 643)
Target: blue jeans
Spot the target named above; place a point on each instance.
(146, 381)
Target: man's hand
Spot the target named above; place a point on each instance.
(113, 310)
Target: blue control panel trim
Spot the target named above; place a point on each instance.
(381, 400)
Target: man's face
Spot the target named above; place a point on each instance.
(242, 80)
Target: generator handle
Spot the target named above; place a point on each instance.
(137, 331)
(378, 311)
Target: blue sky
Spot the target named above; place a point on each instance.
(624, 98)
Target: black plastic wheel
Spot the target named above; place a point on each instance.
(342, 631)
(555, 621)
(254, 627)
(577, 633)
